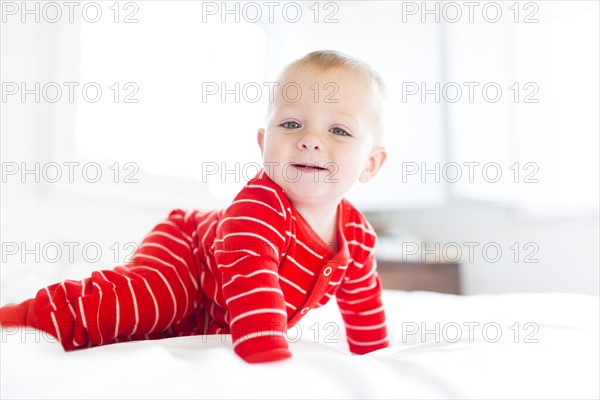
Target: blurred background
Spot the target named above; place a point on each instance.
(113, 114)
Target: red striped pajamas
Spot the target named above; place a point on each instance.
(252, 270)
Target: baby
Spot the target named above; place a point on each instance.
(287, 243)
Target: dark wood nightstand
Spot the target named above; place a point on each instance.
(435, 277)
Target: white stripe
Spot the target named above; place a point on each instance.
(258, 202)
(290, 306)
(363, 289)
(202, 274)
(169, 236)
(207, 258)
(258, 221)
(98, 314)
(117, 307)
(170, 291)
(366, 328)
(260, 271)
(300, 266)
(252, 253)
(360, 226)
(233, 263)
(135, 305)
(334, 283)
(361, 245)
(50, 298)
(208, 263)
(257, 334)
(62, 284)
(258, 311)
(212, 275)
(356, 301)
(156, 309)
(257, 290)
(188, 213)
(274, 192)
(359, 343)
(370, 312)
(55, 322)
(75, 342)
(362, 278)
(252, 235)
(173, 224)
(207, 218)
(307, 248)
(83, 319)
(206, 233)
(292, 284)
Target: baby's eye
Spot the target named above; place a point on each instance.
(291, 125)
(339, 132)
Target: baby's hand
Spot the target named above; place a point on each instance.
(262, 346)
(268, 356)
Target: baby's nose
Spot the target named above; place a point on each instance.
(309, 142)
(310, 146)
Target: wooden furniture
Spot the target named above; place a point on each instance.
(435, 277)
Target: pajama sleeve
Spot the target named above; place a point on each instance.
(359, 300)
(251, 239)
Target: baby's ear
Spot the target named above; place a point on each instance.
(260, 137)
(376, 160)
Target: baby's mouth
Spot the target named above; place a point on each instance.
(309, 167)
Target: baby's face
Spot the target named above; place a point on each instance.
(321, 134)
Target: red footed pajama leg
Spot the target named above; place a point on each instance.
(18, 314)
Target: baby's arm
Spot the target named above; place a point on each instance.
(359, 300)
(248, 250)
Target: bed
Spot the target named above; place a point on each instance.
(519, 345)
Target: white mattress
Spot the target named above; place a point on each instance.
(564, 363)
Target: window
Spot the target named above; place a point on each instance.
(158, 75)
(543, 132)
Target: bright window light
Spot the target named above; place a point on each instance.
(171, 130)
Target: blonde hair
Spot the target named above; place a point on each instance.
(326, 59)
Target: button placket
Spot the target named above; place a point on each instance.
(318, 291)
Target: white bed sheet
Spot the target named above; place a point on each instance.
(564, 363)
